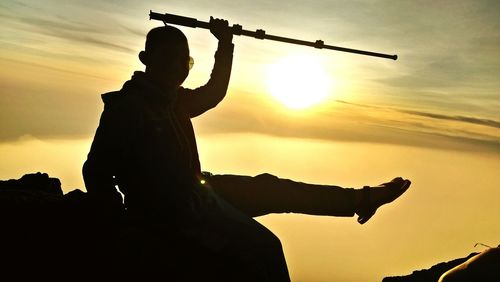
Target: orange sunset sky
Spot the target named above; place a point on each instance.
(432, 116)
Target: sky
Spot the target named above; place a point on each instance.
(432, 116)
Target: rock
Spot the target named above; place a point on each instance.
(39, 182)
(483, 267)
(46, 234)
(430, 274)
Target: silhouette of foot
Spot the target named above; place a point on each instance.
(374, 197)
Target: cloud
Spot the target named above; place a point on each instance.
(437, 71)
(60, 24)
(134, 31)
(344, 131)
(64, 28)
(33, 109)
(473, 120)
(75, 32)
(358, 105)
(354, 123)
(60, 70)
(466, 119)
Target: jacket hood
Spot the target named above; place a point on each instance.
(141, 85)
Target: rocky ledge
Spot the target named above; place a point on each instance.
(46, 234)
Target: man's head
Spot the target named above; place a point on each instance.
(166, 56)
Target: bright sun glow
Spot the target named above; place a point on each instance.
(298, 81)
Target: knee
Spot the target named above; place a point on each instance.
(275, 242)
(270, 241)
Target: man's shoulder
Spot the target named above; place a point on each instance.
(119, 104)
(111, 97)
(120, 98)
(184, 91)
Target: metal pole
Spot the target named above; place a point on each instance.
(260, 34)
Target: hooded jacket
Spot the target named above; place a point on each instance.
(145, 143)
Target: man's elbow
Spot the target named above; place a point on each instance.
(85, 170)
(87, 173)
(90, 175)
(218, 94)
(211, 101)
(215, 102)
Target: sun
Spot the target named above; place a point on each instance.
(298, 81)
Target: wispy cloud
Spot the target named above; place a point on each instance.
(76, 32)
(466, 119)
(60, 70)
(63, 27)
(480, 121)
(59, 24)
(134, 31)
(356, 122)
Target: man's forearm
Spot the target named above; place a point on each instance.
(219, 79)
(201, 99)
(221, 73)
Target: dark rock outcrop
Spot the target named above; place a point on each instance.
(476, 267)
(483, 267)
(430, 274)
(45, 234)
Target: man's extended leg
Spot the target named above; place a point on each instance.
(266, 193)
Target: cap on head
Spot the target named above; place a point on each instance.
(164, 36)
(166, 55)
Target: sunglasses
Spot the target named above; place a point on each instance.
(190, 62)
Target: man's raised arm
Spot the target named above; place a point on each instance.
(201, 99)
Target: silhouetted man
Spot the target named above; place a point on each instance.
(145, 145)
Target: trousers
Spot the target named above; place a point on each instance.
(266, 193)
(229, 203)
(221, 223)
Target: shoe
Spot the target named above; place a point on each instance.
(367, 206)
